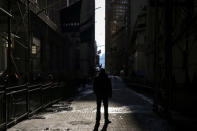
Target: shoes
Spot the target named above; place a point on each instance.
(107, 121)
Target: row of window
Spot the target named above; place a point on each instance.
(71, 24)
(120, 1)
(119, 14)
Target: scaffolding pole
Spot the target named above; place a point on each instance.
(156, 57)
(168, 55)
(29, 53)
(29, 41)
(6, 12)
(8, 61)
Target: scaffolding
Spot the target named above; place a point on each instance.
(22, 31)
(16, 39)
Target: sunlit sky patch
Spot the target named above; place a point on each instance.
(100, 27)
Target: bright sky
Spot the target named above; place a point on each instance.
(100, 26)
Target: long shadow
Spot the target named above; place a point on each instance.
(105, 127)
(96, 127)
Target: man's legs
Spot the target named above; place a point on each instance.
(98, 112)
(105, 103)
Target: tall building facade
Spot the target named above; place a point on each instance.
(159, 50)
(87, 36)
(117, 22)
(80, 29)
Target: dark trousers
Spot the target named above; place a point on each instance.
(105, 103)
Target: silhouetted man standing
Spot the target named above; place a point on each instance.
(103, 90)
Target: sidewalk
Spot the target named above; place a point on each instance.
(128, 111)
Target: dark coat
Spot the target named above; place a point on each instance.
(102, 86)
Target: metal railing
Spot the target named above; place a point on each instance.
(19, 102)
(2, 106)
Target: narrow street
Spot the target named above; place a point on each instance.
(128, 111)
(51, 51)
